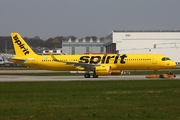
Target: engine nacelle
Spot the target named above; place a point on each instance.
(80, 68)
(116, 72)
(102, 70)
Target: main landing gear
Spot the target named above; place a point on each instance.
(87, 75)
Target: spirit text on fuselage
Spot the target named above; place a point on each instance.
(103, 59)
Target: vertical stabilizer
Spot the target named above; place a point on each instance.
(20, 46)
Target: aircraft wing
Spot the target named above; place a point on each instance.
(84, 65)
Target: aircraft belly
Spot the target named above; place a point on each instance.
(57, 67)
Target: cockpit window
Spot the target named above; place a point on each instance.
(165, 59)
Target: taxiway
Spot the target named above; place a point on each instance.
(19, 78)
(22, 78)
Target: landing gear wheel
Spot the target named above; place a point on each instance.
(87, 75)
(95, 76)
(161, 76)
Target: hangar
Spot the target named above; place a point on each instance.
(81, 46)
(165, 42)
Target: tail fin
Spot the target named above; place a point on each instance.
(20, 46)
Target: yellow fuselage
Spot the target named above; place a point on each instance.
(116, 61)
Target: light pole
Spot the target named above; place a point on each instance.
(5, 47)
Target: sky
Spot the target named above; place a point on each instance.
(81, 18)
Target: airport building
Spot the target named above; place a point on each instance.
(163, 42)
(81, 46)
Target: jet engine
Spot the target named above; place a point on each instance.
(102, 70)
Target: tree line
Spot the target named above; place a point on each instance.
(36, 43)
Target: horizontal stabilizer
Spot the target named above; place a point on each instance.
(17, 59)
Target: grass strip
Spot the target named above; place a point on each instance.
(87, 100)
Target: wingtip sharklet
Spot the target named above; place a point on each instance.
(53, 57)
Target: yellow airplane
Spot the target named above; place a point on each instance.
(99, 64)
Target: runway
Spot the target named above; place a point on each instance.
(18, 78)
(21, 78)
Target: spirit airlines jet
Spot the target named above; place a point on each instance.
(99, 64)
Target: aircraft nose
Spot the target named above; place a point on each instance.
(171, 64)
(174, 64)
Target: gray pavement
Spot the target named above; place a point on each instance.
(17, 78)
